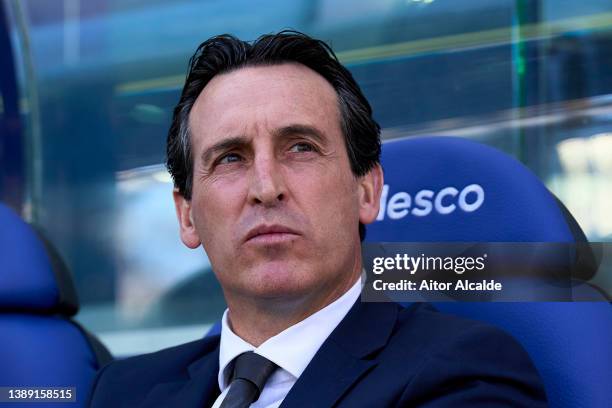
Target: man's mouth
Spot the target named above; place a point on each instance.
(270, 234)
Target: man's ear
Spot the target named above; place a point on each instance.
(370, 189)
(188, 232)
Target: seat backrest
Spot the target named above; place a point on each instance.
(443, 189)
(40, 345)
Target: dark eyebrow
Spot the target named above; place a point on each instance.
(238, 142)
(297, 129)
(224, 145)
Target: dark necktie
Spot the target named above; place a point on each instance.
(251, 371)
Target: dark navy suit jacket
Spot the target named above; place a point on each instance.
(380, 355)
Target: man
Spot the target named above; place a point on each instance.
(275, 159)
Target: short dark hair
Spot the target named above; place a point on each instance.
(225, 53)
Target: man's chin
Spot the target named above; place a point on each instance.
(276, 280)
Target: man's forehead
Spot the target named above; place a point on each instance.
(270, 96)
(297, 74)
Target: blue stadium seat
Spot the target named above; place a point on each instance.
(463, 191)
(40, 346)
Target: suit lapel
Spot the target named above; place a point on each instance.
(340, 361)
(199, 389)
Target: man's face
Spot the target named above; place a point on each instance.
(274, 201)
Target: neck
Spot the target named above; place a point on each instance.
(257, 320)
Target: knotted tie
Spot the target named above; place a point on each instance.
(251, 371)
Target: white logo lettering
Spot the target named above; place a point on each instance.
(472, 188)
(422, 200)
(445, 201)
(441, 208)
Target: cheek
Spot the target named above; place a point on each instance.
(333, 202)
(217, 204)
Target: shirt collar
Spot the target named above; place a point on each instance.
(293, 348)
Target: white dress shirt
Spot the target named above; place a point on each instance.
(291, 349)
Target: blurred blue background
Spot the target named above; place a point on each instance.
(88, 89)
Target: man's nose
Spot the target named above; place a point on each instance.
(267, 185)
